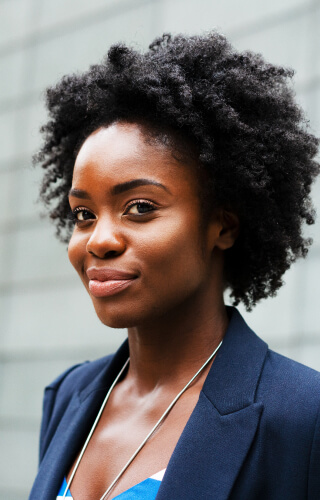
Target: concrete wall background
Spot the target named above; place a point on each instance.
(46, 319)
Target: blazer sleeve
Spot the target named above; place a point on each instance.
(314, 469)
(49, 400)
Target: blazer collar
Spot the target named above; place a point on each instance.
(74, 428)
(232, 381)
(109, 372)
(220, 431)
(240, 358)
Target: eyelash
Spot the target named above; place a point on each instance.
(73, 214)
(140, 202)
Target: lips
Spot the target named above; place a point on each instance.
(104, 282)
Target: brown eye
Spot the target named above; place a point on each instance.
(140, 208)
(84, 215)
(81, 215)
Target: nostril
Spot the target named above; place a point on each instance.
(111, 253)
(108, 255)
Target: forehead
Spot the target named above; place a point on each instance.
(123, 142)
(122, 152)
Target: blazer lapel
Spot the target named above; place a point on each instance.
(210, 453)
(73, 429)
(219, 433)
(63, 448)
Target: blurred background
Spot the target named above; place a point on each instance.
(46, 320)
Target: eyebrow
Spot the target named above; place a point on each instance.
(79, 193)
(126, 186)
(120, 188)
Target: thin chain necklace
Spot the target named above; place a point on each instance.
(146, 438)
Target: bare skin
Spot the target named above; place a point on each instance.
(173, 306)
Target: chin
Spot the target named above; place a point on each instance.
(116, 322)
(114, 318)
(126, 317)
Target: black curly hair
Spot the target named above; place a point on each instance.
(234, 109)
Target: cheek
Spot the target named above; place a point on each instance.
(175, 258)
(77, 251)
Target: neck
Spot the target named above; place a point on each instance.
(168, 351)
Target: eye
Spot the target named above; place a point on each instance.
(83, 215)
(79, 215)
(140, 208)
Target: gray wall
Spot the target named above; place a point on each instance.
(47, 321)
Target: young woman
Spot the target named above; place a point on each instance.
(175, 175)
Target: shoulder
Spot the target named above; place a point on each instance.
(289, 377)
(290, 393)
(274, 377)
(78, 376)
(59, 393)
(290, 421)
(74, 380)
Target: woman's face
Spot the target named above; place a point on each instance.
(137, 243)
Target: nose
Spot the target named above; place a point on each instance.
(106, 240)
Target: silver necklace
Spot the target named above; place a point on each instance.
(163, 416)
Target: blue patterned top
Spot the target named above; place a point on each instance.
(146, 490)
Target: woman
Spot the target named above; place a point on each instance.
(187, 170)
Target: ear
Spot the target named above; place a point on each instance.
(223, 229)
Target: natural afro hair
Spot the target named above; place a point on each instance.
(236, 110)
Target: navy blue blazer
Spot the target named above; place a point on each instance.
(253, 435)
